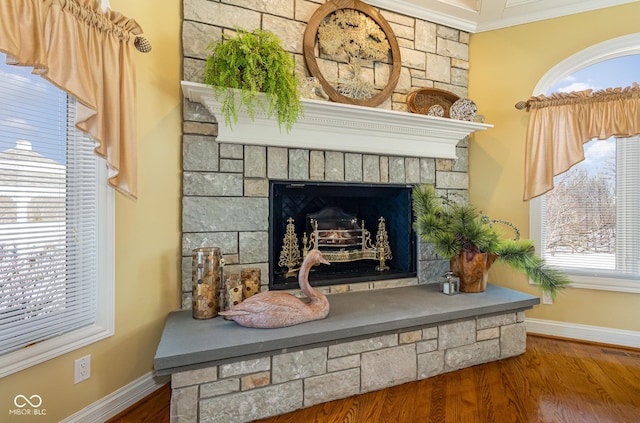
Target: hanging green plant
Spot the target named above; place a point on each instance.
(248, 63)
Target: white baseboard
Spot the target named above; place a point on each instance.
(625, 338)
(119, 400)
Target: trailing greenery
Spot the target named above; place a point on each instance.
(454, 228)
(241, 66)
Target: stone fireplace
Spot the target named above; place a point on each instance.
(374, 337)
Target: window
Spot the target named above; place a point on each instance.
(56, 226)
(589, 224)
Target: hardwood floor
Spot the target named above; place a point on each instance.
(555, 381)
(155, 408)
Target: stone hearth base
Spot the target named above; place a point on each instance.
(232, 374)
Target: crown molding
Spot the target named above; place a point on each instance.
(410, 9)
(491, 16)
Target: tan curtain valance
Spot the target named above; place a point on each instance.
(89, 54)
(559, 125)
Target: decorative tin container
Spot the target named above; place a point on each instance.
(205, 277)
(232, 289)
(250, 282)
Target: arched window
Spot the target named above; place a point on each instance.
(589, 224)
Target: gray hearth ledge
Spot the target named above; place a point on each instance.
(188, 344)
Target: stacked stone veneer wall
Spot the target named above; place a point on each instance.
(243, 391)
(225, 186)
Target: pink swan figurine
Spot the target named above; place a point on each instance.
(276, 309)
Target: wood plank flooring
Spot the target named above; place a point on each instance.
(555, 381)
(155, 408)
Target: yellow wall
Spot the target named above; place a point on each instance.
(147, 238)
(505, 66)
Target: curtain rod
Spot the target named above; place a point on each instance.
(140, 43)
(590, 94)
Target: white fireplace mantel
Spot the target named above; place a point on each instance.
(343, 127)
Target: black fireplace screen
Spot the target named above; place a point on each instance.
(364, 230)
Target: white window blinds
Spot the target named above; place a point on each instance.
(628, 206)
(48, 208)
(591, 219)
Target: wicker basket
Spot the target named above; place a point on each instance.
(420, 100)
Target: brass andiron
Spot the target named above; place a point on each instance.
(382, 245)
(290, 253)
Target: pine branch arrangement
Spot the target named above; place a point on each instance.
(454, 228)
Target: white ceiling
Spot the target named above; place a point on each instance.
(484, 15)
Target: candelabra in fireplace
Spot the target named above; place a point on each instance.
(340, 239)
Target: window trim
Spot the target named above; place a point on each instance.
(104, 326)
(616, 47)
(626, 45)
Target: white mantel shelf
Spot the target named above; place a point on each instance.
(343, 127)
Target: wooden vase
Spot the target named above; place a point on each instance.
(473, 269)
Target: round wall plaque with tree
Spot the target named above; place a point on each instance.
(355, 33)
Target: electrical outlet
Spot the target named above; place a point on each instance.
(546, 298)
(82, 369)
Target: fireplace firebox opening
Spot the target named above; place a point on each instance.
(364, 230)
